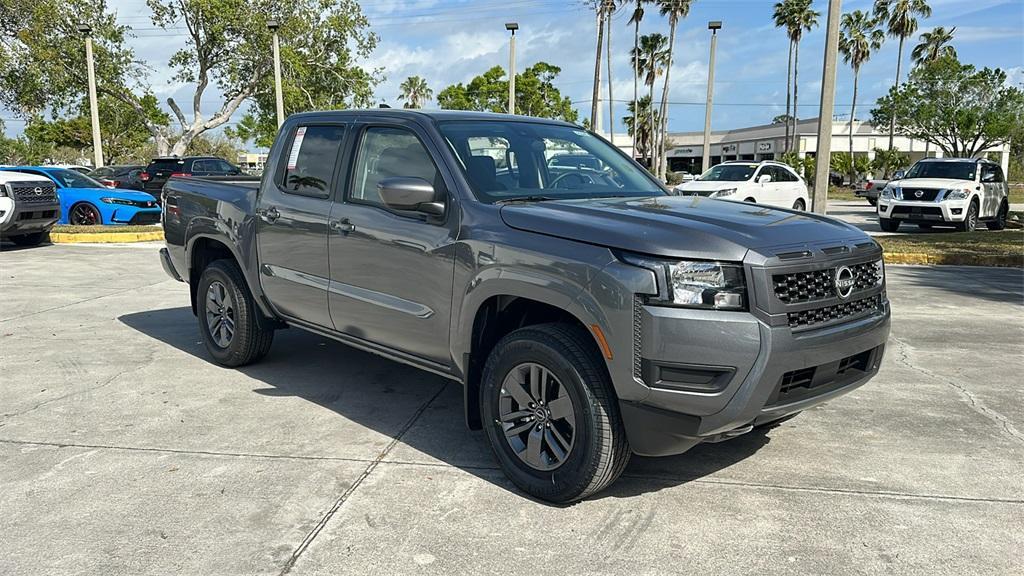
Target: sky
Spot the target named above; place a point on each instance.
(449, 41)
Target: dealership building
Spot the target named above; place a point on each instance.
(685, 149)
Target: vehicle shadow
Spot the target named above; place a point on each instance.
(321, 371)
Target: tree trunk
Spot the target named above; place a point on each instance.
(596, 98)
(796, 83)
(611, 102)
(650, 122)
(636, 78)
(853, 110)
(789, 94)
(899, 66)
(664, 98)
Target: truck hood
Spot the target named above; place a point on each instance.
(932, 183)
(678, 226)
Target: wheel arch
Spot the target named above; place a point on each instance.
(202, 249)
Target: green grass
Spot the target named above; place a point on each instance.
(842, 193)
(69, 229)
(1017, 195)
(938, 243)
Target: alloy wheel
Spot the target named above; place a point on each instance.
(220, 314)
(84, 215)
(537, 416)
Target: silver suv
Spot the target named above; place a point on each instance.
(958, 192)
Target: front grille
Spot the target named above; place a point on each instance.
(146, 218)
(927, 194)
(38, 215)
(637, 337)
(805, 383)
(797, 287)
(930, 212)
(34, 192)
(829, 314)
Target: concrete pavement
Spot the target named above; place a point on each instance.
(124, 450)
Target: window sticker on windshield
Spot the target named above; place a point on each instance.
(293, 157)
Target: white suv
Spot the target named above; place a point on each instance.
(958, 192)
(767, 182)
(29, 207)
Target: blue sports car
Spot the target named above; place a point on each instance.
(84, 201)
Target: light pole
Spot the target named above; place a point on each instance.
(714, 26)
(823, 154)
(512, 27)
(94, 111)
(273, 25)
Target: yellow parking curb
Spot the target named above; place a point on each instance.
(105, 237)
(1001, 260)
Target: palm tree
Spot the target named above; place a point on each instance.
(638, 125)
(804, 19)
(674, 10)
(609, 11)
(859, 36)
(634, 19)
(900, 17)
(414, 92)
(934, 45)
(782, 18)
(652, 56)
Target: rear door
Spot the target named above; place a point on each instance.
(992, 189)
(292, 212)
(159, 171)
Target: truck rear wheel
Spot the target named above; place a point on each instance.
(551, 415)
(233, 330)
(1000, 222)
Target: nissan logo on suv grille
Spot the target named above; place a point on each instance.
(38, 191)
(845, 281)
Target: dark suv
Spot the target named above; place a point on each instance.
(160, 169)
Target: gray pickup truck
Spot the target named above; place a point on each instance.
(588, 314)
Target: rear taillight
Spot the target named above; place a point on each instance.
(173, 174)
(869, 185)
(108, 183)
(144, 176)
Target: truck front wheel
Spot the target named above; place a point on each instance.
(32, 239)
(551, 415)
(233, 330)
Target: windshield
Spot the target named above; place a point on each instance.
(951, 170)
(729, 173)
(72, 179)
(515, 160)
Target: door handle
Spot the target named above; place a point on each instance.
(343, 226)
(269, 215)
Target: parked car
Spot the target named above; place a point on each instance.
(160, 169)
(84, 201)
(684, 176)
(835, 178)
(870, 189)
(958, 192)
(28, 207)
(766, 182)
(127, 176)
(586, 319)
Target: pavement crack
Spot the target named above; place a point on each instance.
(976, 404)
(308, 540)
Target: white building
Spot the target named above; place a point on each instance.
(768, 143)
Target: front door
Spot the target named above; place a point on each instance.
(292, 211)
(391, 271)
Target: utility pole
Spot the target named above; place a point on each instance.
(273, 25)
(823, 154)
(94, 110)
(512, 27)
(714, 26)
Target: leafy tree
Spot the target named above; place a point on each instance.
(415, 92)
(783, 119)
(638, 126)
(796, 16)
(859, 37)
(954, 106)
(674, 10)
(536, 94)
(635, 18)
(934, 45)
(42, 56)
(653, 57)
(900, 17)
(888, 161)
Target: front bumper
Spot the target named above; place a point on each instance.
(19, 218)
(910, 211)
(134, 216)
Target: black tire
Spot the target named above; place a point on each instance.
(250, 334)
(799, 205)
(33, 239)
(873, 201)
(888, 224)
(84, 214)
(1000, 222)
(924, 226)
(598, 451)
(970, 223)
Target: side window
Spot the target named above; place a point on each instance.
(312, 157)
(389, 153)
(223, 166)
(999, 174)
(201, 166)
(988, 174)
(785, 175)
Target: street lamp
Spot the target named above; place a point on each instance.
(273, 25)
(94, 111)
(714, 26)
(823, 154)
(512, 27)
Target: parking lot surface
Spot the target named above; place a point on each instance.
(124, 450)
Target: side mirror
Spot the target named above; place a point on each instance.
(410, 194)
(898, 175)
(764, 178)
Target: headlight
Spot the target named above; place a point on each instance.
(723, 192)
(694, 283)
(118, 201)
(892, 193)
(958, 194)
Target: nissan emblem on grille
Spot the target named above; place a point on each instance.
(919, 194)
(38, 191)
(845, 281)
